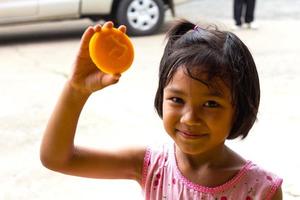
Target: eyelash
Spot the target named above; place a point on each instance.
(176, 100)
(208, 104)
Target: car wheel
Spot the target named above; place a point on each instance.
(142, 17)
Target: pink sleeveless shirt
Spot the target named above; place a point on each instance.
(162, 180)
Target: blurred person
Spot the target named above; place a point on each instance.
(243, 13)
(208, 92)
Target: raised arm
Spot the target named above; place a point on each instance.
(58, 152)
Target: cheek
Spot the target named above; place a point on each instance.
(167, 115)
(219, 120)
(170, 118)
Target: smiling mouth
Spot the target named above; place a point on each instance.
(190, 135)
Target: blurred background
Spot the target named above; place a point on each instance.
(35, 59)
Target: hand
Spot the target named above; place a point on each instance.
(85, 76)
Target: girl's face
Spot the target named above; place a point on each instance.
(197, 117)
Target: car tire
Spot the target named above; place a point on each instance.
(142, 17)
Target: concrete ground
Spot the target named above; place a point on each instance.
(36, 59)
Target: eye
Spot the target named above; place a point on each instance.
(176, 100)
(211, 104)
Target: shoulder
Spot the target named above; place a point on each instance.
(278, 194)
(156, 157)
(264, 182)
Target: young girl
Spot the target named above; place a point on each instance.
(208, 92)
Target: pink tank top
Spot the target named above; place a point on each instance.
(162, 180)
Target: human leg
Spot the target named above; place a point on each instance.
(237, 11)
(249, 16)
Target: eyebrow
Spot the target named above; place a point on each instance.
(211, 93)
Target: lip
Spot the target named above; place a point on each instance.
(191, 135)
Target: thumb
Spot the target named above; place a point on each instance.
(109, 79)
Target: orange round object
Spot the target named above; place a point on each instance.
(111, 50)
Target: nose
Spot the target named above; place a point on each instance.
(191, 117)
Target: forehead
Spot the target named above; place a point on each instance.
(183, 82)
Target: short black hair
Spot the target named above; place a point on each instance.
(218, 54)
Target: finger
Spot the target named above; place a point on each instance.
(122, 28)
(97, 28)
(108, 24)
(85, 39)
(116, 76)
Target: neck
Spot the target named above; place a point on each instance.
(214, 158)
(211, 168)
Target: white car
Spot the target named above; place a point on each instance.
(142, 17)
